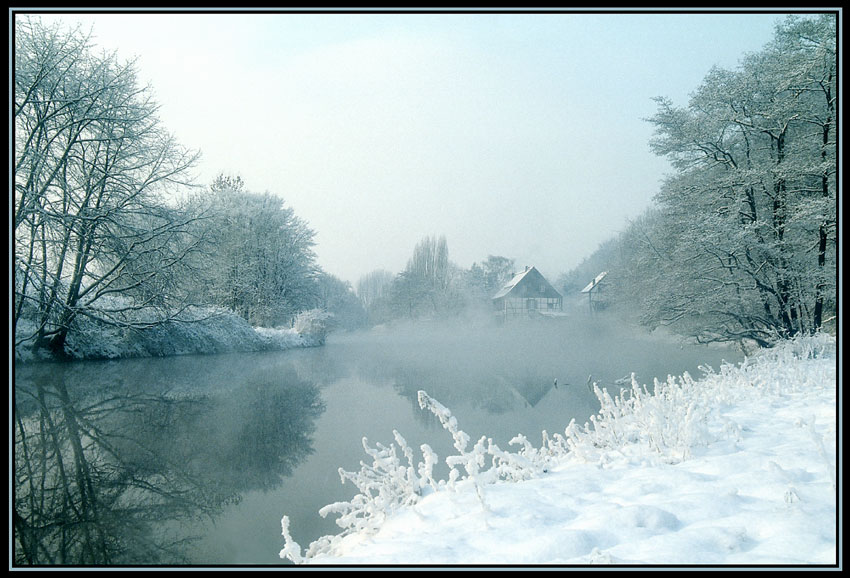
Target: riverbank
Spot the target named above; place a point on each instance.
(197, 331)
(736, 469)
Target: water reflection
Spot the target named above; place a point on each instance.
(532, 376)
(108, 456)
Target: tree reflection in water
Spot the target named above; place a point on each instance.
(101, 471)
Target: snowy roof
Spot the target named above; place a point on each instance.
(594, 283)
(506, 288)
(530, 272)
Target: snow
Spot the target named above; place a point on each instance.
(514, 281)
(198, 330)
(595, 282)
(735, 468)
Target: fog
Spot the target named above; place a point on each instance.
(474, 356)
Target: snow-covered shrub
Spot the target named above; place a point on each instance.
(388, 484)
(312, 325)
(281, 338)
(384, 485)
(525, 464)
(674, 416)
(670, 419)
(197, 330)
(503, 465)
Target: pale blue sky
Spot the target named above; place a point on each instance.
(513, 134)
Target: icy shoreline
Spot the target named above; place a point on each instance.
(735, 468)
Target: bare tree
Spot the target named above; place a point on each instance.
(95, 234)
(373, 291)
(424, 285)
(373, 286)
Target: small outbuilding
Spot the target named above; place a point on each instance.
(593, 290)
(527, 294)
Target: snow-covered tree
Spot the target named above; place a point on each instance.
(485, 279)
(746, 245)
(259, 260)
(373, 290)
(426, 286)
(338, 298)
(92, 168)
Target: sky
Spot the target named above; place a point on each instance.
(514, 134)
(747, 478)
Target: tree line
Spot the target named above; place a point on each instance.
(432, 286)
(103, 228)
(741, 243)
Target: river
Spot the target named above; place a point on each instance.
(195, 459)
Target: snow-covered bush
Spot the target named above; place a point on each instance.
(669, 421)
(280, 338)
(675, 416)
(388, 484)
(312, 325)
(197, 330)
(384, 486)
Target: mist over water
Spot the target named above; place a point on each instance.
(263, 435)
(497, 380)
(521, 377)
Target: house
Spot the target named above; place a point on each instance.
(593, 289)
(527, 294)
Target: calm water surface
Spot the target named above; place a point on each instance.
(195, 459)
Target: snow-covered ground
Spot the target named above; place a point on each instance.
(735, 468)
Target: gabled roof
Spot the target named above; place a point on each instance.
(507, 287)
(594, 283)
(530, 275)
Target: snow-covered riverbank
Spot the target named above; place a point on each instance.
(196, 331)
(737, 468)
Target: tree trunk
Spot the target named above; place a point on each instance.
(822, 229)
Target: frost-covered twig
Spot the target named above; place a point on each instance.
(472, 461)
(384, 486)
(388, 484)
(291, 549)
